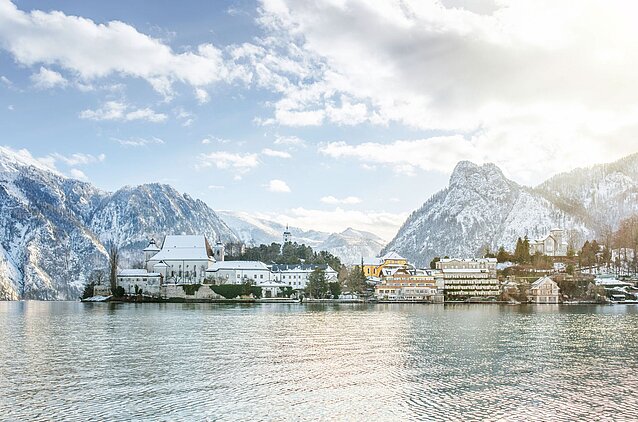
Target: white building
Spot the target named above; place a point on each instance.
(135, 281)
(183, 259)
(553, 244)
(296, 275)
(544, 290)
(238, 272)
(468, 278)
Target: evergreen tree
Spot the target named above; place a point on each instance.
(502, 255)
(317, 286)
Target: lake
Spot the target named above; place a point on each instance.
(120, 362)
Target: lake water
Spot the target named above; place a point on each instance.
(80, 361)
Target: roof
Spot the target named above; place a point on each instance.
(373, 261)
(160, 264)
(184, 248)
(392, 255)
(238, 265)
(298, 267)
(469, 259)
(152, 246)
(134, 272)
(540, 281)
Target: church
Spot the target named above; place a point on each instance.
(553, 244)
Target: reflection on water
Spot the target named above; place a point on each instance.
(75, 361)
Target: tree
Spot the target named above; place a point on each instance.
(114, 260)
(317, 286)
(335, 289)
(88, 289)
(433, 262)
(502, 255)
(356, 281)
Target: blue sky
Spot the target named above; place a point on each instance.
(324, 114)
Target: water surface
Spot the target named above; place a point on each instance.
(80, 361)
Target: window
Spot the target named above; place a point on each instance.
(261, 276)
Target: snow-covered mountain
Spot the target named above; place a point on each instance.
(481, 208)
(54, 228)
(350, 245)
(254, 231)
(603, 194)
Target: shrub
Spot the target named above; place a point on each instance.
(191, 289)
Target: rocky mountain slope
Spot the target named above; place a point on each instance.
(54, 228)
(349, 245)
(481, 208)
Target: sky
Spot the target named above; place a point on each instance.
(321, 114)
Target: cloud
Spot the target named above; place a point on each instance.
(289, 140)
(278, 186)
(95, 50)
(205, 141)
(46, 79)
(274, 153)
(201, 95)
(78, 159)
(78, 174)
(241, 163)
(139, 142)
(6, 81)
(528, 76)
(349, 200)
(216, 187)
(118, 111)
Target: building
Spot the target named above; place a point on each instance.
(238, 272)
(182, 259)
(463, 279)
(408, 285)
(139, 281)
(544, 290)
(287, 236)
(296, 275)
(553, 244)
(219, 251)
(386, 265)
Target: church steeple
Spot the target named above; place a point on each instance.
(287, 235)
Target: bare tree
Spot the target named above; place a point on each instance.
(114, 259)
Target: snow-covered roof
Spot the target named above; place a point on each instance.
(238, 265)
(392, 255)
(373, 261)
(134, 272)
(160, 264)
(540, 282)
(276, 268)
(152, 247)
(184, 248)
(469, 259)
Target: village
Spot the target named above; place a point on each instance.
(189, 268)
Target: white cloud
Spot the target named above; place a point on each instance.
(10, 107)
(78, 159)
(139, 142)
(201, 95)
(278, 186)
(528, 76)
(95, 50)
(78, 174)
(289, 140)
(274, 153)
(241, 163)
(348, 200)
(205, 141)
(216, 187)
(118, 111)
(6, 81)
(46, 79)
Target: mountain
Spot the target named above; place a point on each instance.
(350, 245)
(254, 231)
(54, 228)
(603, 194)
(481, 208)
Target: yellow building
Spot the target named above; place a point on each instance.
(384, 266)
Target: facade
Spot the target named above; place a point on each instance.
(182, 259)
(553, 244)
(135, 281)
(296, 275)
(385, 266)
(238, 272)
(407, 285)
(544, 290)
(463, 279)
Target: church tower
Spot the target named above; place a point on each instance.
(219, 251)
(287, 235)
